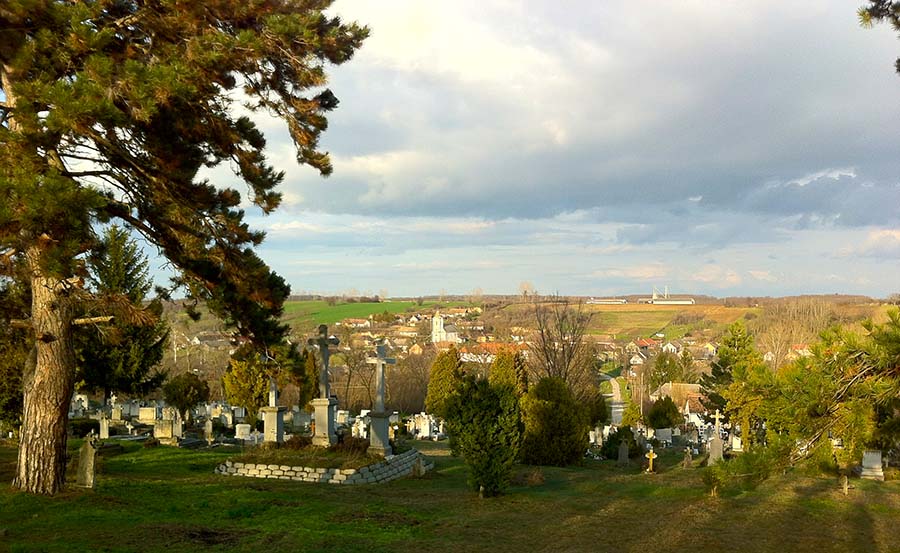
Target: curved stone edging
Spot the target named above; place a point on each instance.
(396, 466)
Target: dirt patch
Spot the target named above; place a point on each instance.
(167, 535)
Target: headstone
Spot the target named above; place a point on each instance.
(170, 413)
(147, 415)
(715, 451)
(871, 465)
(688, 461)
(736, 444)
(86, 457)
(227, 419)
(164, 431)
(242, 431)
(239, 413)
(651, 456)
(273, 424)
(178, 428)
(623, 453)
(716, 446)
(592, 437)
(379, 441)
(130, 428)
(116, 414)
(208, 431)
(343, 417)
(664, 435)
(104, 428)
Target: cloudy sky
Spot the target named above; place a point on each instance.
(599, 148)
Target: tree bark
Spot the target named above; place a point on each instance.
(48, 387)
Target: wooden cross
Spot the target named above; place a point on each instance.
(380, 360)
(651, 455)
(322, 341)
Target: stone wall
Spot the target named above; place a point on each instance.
(392, 468)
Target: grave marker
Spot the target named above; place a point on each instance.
(379, 441)
(324, 405)
(650, 455)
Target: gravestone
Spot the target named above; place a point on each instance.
(208, 431)
(716, 446)
(343, 417)
(623, 453)
(736, 444)
(664, 435)
(688, 461)
(163, 431)
(242, 431)
(227, 418)
(239, 413)
(147, 415)
(116, 413)
(178, 428)
(104, 428)
(325, 405)
(871, 465)
(86, 459)
(379, 441)
(651, 455)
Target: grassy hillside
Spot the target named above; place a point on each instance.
(169, 499)
(306, 315)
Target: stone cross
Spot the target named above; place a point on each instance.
(322, 341)
(717, 417)
(380, 361)
(651, 455)
(273, 392)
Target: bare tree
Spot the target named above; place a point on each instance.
(783, 325)
(358, 374)
(407, 382)
(558, 348)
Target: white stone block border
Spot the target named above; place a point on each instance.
(396, 466)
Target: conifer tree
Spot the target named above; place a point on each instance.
(508, 368)
(246, 384)
(446, 374)
(737, 350)
(109, 110)
(122, 356)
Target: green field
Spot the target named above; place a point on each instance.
(169, 499)
(306, 315)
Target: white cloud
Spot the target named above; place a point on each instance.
(717, 276)
(653, 271)
(764, 276)
(833, 174)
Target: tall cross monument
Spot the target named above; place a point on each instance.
(379, 439)
(324, 405)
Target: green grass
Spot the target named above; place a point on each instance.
(169, 499)
(304, 315)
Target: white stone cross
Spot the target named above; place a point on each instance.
(380, 361)
(322, 341)
(717, 417)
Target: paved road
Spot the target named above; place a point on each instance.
(617, 404)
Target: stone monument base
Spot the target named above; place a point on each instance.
(273, 424)
(379, 439)
(324, 408)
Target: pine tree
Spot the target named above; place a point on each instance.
(109, 111)
(737, 350)
(446, 374)
(123, 356)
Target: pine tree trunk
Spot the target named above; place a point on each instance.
(48, 389)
